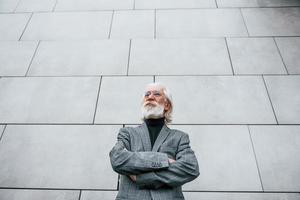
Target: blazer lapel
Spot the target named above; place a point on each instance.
(145, 137)
(165, 131)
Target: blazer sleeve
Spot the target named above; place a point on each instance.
(184, 170)
(126, 162)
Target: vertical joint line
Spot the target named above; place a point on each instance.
(98, 94)
(154, 23)
(262, 186)
(269, 98)
(111, 22)
(281, 56)
(37, 46)
(79, 197)
(128, 57)
(26, 26)
(229, 56)
(154, 79)
(15, 9)
(244, 22)
(53, 9)
(216, 3)
(2, 133)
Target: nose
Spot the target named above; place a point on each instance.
(150, 98)
(151, 95)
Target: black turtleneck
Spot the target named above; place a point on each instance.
(154, 127)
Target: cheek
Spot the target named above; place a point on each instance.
(162, 102)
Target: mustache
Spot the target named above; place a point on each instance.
(151, 103)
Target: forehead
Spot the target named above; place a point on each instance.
(154, 88)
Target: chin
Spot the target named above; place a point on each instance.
(154, 116)
(153, 112)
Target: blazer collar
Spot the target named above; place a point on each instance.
(145, 137)
(164, 132)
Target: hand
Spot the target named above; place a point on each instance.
(133, 178)
(171, 160)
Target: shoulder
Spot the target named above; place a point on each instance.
(130, 130)
(179, 133)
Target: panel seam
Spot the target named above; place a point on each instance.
(258, 170)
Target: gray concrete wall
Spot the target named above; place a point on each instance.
(72, 73)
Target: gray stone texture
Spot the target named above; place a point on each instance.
(73, 5)
(15, 57)
(285, 96)
(199, 23)
(225, 157)
(13, 194)
(120, 99)
(1, 130)
(8, 5)
(68, 26)
(219, 100)
(290, 49)
(12, 25)
(35, 5)
(240, 196)
(110, 195)
(133, 24)
(233, 68)
(255, 56)
(154, 4)
(257, 3)
(261, 21)
(183, 56)
(277, 151)
(48, 100)
(99, 57)
(68, 157)
(237, 3)
(94, 195)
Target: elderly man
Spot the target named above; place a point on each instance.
(154, 161)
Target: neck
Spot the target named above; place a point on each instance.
(155, 122)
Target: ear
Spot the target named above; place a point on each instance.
(167, 106)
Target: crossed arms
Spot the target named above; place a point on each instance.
(154, 169)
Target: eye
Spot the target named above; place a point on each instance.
(154, 93)
(157, 94)
(147, 94)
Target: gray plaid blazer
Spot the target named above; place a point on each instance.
(157, 179)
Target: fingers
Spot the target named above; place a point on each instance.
(133, 177)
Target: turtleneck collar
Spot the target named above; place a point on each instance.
(155, 122)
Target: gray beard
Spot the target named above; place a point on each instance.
(152, 112)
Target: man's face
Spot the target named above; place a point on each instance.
(155, 97)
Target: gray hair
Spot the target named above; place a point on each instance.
(167, 93)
